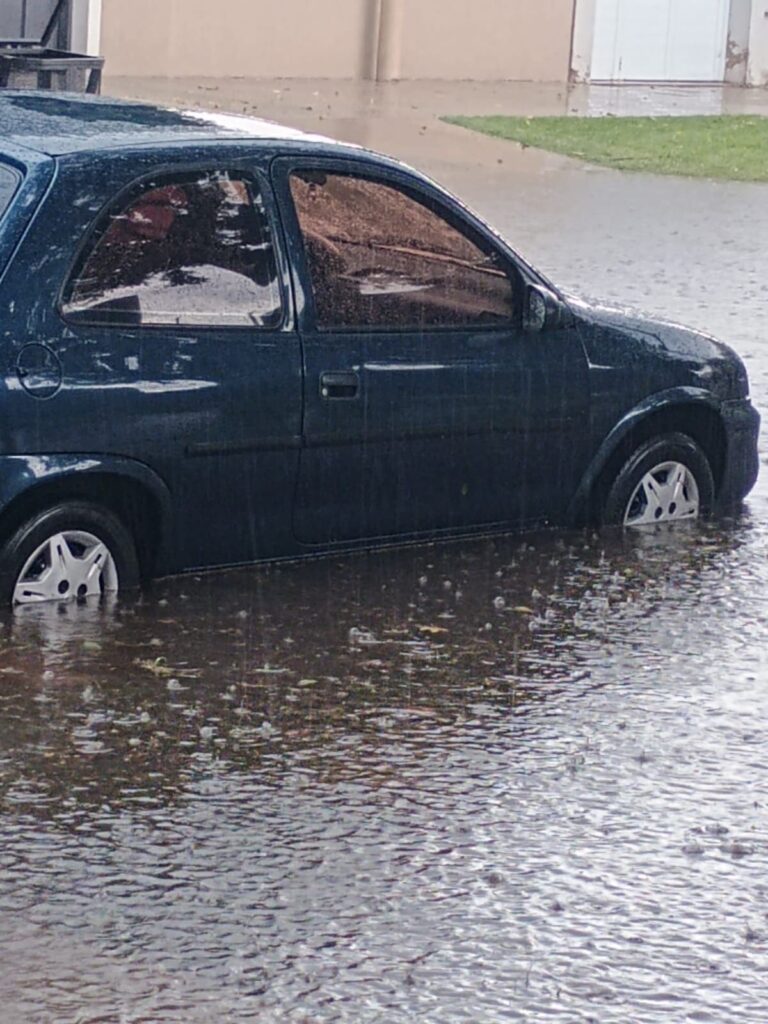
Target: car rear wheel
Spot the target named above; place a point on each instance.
(667, 479)
(70, 551)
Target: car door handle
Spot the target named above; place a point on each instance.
(339, 385)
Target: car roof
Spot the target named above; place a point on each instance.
(61, 123)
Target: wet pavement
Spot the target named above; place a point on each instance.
(513, 778)
(316, 99)
(403, 118)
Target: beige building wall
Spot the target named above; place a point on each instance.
(487, 39)
(256, 38)
(451, 39)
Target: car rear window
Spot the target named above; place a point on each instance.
(9, 182)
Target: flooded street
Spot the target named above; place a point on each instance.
(499, 779)
(495, 780)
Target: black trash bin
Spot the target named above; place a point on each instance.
(35, 64)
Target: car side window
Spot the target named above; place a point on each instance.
(193, 251)
(9, 181)
(379, 258)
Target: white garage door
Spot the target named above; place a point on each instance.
(660, 40)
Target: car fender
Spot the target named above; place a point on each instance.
(651, 405)
(21, 474)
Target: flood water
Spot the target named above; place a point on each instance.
(492, 780)
(512, 778)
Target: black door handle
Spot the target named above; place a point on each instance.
(339, 385)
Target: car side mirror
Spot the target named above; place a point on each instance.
(544, 311)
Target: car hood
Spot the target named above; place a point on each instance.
(626, 335)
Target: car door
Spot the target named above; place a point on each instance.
(173, 344)
(427, 405)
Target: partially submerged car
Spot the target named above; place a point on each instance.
(225, 341)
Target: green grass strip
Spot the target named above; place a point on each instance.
(731, 148)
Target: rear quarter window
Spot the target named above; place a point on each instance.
(9, 182)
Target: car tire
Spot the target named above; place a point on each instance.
(93, 552)
(666, 479)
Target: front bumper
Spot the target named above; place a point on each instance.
(742, 428)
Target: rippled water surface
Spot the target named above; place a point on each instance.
(495, 780)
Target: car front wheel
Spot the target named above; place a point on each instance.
(70, 551)
(667, 479)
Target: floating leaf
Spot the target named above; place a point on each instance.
(158, 667)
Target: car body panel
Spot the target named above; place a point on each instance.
(37, 173)
(741, 422)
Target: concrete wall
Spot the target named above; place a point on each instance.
(737, 54)
(452, 39)
(260, 38)
(535, 40)
(583, 40)
(757, 68)
(487, 39)
(85, 27)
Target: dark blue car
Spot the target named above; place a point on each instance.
(224, 341)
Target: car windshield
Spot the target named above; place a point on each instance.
(9, 180)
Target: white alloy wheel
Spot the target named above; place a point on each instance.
(665, 494)
(69, 564)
